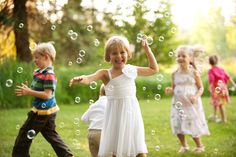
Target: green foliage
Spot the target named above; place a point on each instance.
(210, 31)
(147, 87)
(9, 69)
(161, 29)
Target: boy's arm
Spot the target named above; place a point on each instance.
(153, 66)
(86, 79)
(25, 90)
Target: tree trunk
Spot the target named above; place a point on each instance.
(21, 31)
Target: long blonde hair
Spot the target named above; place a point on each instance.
(193, 52)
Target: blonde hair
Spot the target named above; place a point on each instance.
(116, 43)
(193, 52)
(46, 48)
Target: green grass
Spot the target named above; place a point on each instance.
(156, 115)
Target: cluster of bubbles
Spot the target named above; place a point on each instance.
(73, 35)
(140, 37)
(75, 142)
(179, 106)
(153, 133)
(31, 134)
(81, 55)
(96, 42)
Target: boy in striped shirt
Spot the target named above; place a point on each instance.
(42, 116)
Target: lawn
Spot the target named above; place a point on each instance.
(159, 139)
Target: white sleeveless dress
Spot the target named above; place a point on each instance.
(187, 118)
(123, 131)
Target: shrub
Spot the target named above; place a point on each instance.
(17, 72)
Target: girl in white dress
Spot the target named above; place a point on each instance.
(123, 131)
(187, 115)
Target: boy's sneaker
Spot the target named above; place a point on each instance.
(183, 149)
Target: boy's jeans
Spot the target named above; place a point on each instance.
(44, 124)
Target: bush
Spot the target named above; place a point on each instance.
(147, 87)
(13, 73)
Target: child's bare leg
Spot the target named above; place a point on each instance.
(222, 113)
(182, 140)
(141, 155)
(200, 147)
(197, 141)
(215, 111)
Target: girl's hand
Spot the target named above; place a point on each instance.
(168, 90)
(193, 99)
(75, 80)
(144, 42)
(23, 89)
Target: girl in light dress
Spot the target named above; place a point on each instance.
(123, 131)
(187, 115)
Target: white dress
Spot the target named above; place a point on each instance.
(187, 118)
(123, 130)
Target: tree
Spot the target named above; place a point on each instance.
(160, 29)
(21, 31)
(16, 19)
(211, 32)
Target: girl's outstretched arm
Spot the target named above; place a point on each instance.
(86, 79)
(153, 66)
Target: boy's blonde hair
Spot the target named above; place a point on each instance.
(116, 43)
(46, 48)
